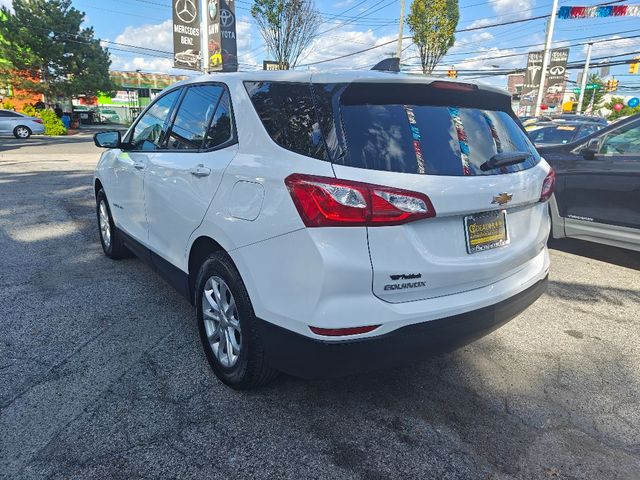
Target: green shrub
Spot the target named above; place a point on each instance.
(52, 124)
(30, 110)
(7, 105)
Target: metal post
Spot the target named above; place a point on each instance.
(545, 55)
(400, 30)
(204, 36)
(585, 74)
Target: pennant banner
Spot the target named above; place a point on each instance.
(599, 12)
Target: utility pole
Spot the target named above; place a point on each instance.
(585, 74)
(400, 30)
(545, 55)
(204, 36)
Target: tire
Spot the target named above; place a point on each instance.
(250, 367)
(110, 237)
(22, 132)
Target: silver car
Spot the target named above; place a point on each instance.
(19, 124)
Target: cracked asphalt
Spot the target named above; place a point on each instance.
(102, 375)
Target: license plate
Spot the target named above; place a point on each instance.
(485, 231)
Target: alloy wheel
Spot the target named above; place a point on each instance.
(221, 321)
(22, 132)
(105, 226)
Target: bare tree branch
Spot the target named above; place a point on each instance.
(287, 27)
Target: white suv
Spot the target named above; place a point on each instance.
(325, 224)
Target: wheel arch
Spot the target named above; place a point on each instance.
(201, 248)
(97, 186)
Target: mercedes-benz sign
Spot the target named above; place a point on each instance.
(186, 34)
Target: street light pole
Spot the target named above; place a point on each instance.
(545, 55)
(400, 30)
(204, 36)
(585, 74)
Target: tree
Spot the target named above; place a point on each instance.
(433, 23)
(287, 27)
(596, 95)
(46, 50)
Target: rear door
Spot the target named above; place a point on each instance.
(184, 176)
(605, 188)
(8, 121)
(488, 224)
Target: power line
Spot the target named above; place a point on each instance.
(404, 38)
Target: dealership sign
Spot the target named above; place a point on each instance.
(186, 34)
(221, 35)
(555, 78)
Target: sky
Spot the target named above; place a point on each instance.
(351, 25)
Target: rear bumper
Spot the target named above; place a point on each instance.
(306, 357)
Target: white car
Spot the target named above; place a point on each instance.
(324, 224)
(19, 124)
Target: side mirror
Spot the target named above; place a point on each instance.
(591, 148)
(110, 139)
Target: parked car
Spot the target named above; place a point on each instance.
(324, 224)
(528, 121)
(559, 133)
(572, 117)
(19, 125)
(187, 57)
(107, 115)
(598, 186)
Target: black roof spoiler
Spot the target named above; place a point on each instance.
(388, 65)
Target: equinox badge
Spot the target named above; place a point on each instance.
(502, 198)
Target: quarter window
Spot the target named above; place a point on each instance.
(151, 129)
(220, 131)
(288, 114)
(194, 115)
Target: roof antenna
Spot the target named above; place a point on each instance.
(391, 64)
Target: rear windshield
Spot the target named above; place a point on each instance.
(434, 140)
(556, 134)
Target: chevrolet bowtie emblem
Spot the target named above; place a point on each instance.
(502, 198)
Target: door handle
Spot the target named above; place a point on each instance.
(200, 171)
(138, 165)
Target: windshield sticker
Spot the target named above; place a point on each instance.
(417, 138)
(463, 141)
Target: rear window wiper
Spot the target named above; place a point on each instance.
(504, 159)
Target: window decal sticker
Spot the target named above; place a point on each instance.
(417, 137)
(462, 139)
(496, 139)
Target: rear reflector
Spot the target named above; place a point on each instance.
(330, 202)
(548, 186)
(339, 332)
(37, 120)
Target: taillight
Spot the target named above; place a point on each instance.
(340, 332)
(37, 120)
(326, 201)
(548, 186)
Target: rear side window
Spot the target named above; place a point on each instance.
(430, 139)
(288, 114)
(194, 114)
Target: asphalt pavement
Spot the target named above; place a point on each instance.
(102, 375)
